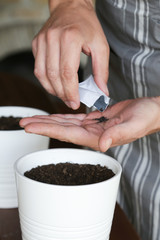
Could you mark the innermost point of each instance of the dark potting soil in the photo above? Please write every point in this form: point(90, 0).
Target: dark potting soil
point(10, 123)
point(70, 174)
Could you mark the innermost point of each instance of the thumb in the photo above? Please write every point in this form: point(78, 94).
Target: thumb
point(114, 136)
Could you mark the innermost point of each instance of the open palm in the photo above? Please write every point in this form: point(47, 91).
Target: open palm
point(128, 121)
point(81, 129)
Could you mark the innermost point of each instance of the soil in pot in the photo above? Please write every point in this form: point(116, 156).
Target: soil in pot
point(10, 123)
point(70, 174)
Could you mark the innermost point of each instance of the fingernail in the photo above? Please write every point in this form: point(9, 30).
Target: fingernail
point(108, 143)
point(73, 105)
point(68, 104)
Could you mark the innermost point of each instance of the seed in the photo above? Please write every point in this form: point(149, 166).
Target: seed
point(101, 119)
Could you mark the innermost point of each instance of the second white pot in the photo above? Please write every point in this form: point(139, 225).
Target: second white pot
point(13, 145)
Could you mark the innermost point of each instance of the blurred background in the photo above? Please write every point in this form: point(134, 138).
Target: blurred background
point(20, 21)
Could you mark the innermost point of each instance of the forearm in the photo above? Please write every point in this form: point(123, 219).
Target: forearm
point(54, 3)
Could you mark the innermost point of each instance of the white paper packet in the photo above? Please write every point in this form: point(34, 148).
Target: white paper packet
point(91, 95)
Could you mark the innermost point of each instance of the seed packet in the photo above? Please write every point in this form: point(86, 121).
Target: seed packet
point(92, 96)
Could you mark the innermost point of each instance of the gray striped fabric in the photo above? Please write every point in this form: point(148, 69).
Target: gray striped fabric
point(132, 28)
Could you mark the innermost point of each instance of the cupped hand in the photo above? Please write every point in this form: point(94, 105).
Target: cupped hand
point(127, 121)
point(72, 28)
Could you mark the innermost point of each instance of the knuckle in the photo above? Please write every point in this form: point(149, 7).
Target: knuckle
point(49, 34)
point(40, 38)
point(52, 74)
point(67, 73)
point(38, 73)
point(69, 34)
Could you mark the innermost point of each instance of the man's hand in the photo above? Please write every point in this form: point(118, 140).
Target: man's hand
point(72, 28)
point(128, 121)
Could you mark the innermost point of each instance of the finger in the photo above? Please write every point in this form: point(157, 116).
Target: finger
point(40, 64)
point(51, 119)
point(64, 117)
point(117, 135)
point(100, 65)
point(67, 120)
point(79, 116)
point(69, 64)
point(52, 63)
point(57, 131)
point(63, 120)
point(49, 123)
point(74, 134)
point(24, 121)
point(30, 120)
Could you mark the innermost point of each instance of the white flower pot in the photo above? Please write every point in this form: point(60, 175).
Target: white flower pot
point(13, 145)
point(56, 212)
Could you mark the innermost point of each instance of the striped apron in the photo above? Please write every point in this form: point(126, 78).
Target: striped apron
point(132, 28)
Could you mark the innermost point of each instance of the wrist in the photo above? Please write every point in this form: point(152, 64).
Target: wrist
point(55, 3)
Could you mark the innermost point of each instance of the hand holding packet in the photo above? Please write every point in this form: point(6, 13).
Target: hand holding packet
point(91, 95)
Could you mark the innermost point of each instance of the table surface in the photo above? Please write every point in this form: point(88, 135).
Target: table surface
point(16, 91)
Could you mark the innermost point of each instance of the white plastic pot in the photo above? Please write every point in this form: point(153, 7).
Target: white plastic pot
point(56, 212)
point(13, 145)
